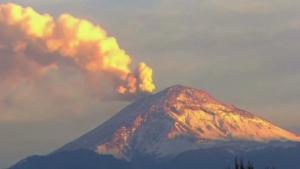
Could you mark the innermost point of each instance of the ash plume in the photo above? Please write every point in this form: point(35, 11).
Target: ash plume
point(32, 43)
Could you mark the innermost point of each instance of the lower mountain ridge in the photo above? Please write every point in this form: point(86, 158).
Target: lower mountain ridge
point(179, 127)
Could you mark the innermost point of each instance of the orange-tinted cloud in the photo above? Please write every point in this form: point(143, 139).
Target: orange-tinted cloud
point(34, 41)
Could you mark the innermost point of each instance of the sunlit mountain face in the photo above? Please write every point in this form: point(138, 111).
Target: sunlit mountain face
point(175, 128)
point(180, 117)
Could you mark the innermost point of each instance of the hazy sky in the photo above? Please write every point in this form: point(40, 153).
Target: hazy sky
point(244, 52)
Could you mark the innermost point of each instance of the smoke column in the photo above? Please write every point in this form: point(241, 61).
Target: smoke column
point(70, 40)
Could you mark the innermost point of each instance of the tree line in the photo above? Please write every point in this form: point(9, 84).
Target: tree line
point(239, 164)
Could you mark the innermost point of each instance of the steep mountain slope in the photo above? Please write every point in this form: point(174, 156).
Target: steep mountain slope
point(176, 120)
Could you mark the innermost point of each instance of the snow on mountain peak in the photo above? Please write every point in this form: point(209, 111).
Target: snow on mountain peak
point(174, 120)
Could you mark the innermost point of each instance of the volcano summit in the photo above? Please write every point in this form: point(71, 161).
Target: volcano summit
point(188, 125)
point(180, 117)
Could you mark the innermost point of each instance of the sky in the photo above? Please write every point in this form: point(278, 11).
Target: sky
point(243, 52)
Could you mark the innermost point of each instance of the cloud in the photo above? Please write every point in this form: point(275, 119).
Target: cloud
point(39, 40)
point(37, 50)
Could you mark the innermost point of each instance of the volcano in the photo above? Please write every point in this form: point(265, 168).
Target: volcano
point(175, 120)
point(179, 128)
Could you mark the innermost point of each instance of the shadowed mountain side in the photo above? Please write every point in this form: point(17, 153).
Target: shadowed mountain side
point(214, 158)
point(79, 159)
